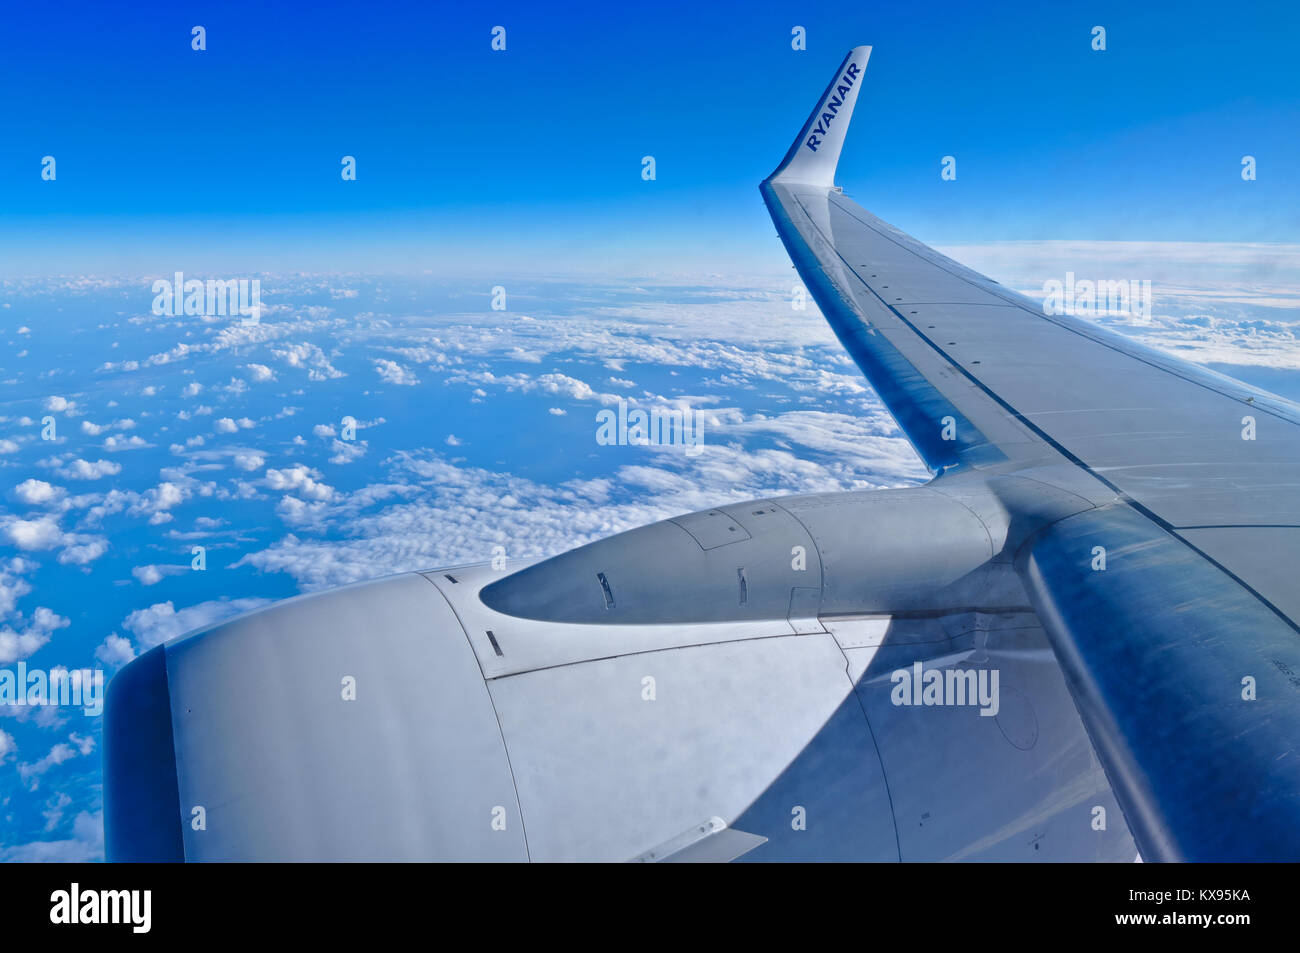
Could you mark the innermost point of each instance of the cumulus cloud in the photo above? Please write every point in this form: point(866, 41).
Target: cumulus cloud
point(83, 550)
point(85, 845)
point(19, 643)
point(346, 451)
point(260, 372)
point(158, 501)
point(115, 443)
point(393, 373)
point(225, 425)
point(448, 514)
point(54, 809)
point(308, 357)
point(7, 745)
point(37, 492)
point(553, 383)
point(300, 480)
point(115, 650)
point(94, 429)
point(12, 585)
point(148, 575)
point(76, 745)
point(86, 470)
point(35, 534)
point(163, 621)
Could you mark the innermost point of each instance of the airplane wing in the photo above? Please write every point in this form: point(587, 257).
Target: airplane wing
point(1078, 639)
point(1171, 603)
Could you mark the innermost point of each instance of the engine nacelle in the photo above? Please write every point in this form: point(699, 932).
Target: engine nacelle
point(722, 685)
point(880, 551)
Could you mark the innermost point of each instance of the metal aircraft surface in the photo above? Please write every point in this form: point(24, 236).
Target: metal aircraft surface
point(1079, 641)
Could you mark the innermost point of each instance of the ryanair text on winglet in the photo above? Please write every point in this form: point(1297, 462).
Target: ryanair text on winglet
point(832, 107)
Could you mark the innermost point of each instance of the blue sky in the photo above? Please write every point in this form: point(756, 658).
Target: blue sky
point(530, 159)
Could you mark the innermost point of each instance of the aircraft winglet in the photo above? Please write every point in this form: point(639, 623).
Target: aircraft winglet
point(815, 154)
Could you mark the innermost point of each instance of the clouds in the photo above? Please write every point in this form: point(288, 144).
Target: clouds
point(309, 357)
point(75, 746)
point(1248, 266)
point(426, 511)
point(554, 383)
point(390, 372)
point(83, 550)
point(54, 810)
point(32, 535)
point(86, 844)
point(449, 513)
point(79, 469)
point(114, 444)
point(300, 480)
point(347, 451)
point(259, 373)
point(45, 532)
point(152, 575)
point(155, 504)
point(115, 650)
point(19, 643)
point(1218, 335)
point(37, 492)
point(163, 621)
point(249, 460)
point(12, 586)
point(94, 429)
point(400, 516)
point(229, 425)
point(1213, 301)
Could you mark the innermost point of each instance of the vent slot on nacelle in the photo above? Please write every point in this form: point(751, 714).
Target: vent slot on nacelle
point(605, 590)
